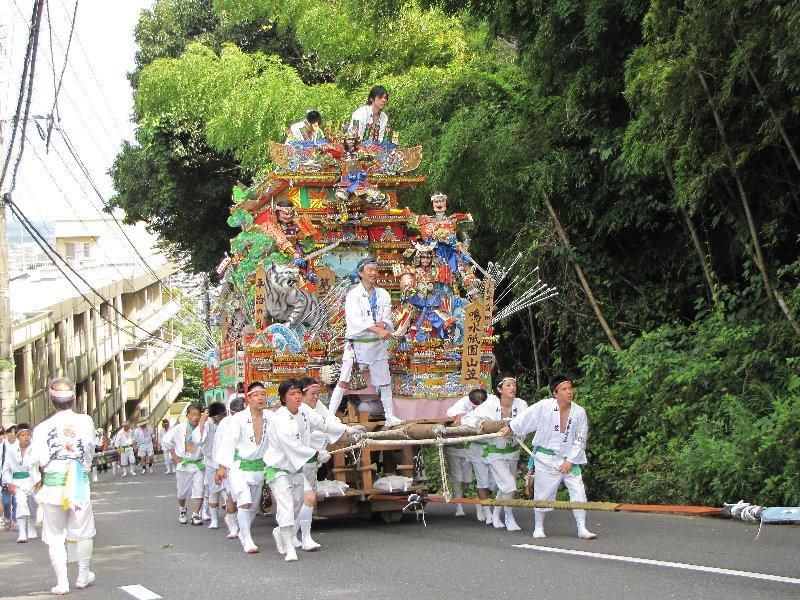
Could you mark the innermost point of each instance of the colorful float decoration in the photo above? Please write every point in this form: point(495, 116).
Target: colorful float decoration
point(328, 203)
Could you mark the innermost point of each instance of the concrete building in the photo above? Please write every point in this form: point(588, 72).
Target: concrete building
point(119, 347)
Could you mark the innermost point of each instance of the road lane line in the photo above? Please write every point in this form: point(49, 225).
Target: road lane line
point(140, 592)
point(662, 563)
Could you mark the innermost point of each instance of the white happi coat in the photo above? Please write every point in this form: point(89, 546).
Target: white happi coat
point(14, 463)
point(461, 406)
point(206, 439)
point(239, 438)
point(290, 437)
point(57, 442)
point(124, 439)
point(544, 418)
point(176, 439)
point(143, 439)
point(359, 317)
point(490, 411)
point(317, 439)
point(363, 114)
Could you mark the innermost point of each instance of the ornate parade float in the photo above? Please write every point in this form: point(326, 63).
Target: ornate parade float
point(329, 202)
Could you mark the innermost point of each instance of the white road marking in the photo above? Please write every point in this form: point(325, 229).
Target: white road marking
point(140, 592)
point(662, 563)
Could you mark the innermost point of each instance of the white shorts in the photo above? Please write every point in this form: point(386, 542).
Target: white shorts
point(60, 526)
point(126, 457)
point(144, 451)
point(189, 484)
point(213, 488)
point(548, 479)
point(287, 494)
point(378, 371)
point(310, 473)
point(460, 467)
point(245, 486)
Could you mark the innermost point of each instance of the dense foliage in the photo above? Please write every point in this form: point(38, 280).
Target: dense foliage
point(642, 153)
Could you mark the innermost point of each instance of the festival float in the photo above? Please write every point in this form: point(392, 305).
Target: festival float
point(331, 201)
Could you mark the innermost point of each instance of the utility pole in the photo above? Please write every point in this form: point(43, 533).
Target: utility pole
point(7, 400)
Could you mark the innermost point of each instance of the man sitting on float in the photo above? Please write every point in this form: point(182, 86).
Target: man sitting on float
point(441, 230)
point(370, 120)
point(307, 130)
point(426, 296)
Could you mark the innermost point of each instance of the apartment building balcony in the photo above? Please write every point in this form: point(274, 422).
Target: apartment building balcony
point(158, 410)
point(149, 323)
point(139, 375)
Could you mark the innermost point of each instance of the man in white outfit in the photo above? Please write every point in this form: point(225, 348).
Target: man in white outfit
point(368, 316)
point(289, 451)
point(124, 443)
point(456, 455)
point(204, 435)
point(240, 457)
point(20, 481)
point(235, 405)
point(370, 118)
point(169, 466)
point(559, 450)
point(189, 467)
point(63, 447)
point(143, 439)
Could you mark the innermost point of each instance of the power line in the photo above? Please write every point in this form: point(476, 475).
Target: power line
point(52, 253)
point(25, 94)
point(54, 109)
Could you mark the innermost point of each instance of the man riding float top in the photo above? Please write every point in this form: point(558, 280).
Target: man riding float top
point(20, 481)
point(63, 447)
point(559, 449)
point(372, 121)
point(501, 456)
point(189, 467)
point(241, 459)
point(124, 442)
point(289, 451)
point(368, 315)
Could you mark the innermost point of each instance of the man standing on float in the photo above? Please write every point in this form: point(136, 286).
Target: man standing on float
point(368, 315)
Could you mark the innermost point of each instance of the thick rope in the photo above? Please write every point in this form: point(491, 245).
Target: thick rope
point(443, 470)
point(426, 442)
point(522, 503)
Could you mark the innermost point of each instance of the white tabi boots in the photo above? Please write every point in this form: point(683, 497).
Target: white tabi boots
point(304, 516)
point(22, 525)
point(580, 521)
point(32, 533)
point(58, 558)
point(388, 407)
point(538, 527)
point(286, 536)
point(233, 526)
point(244, 520)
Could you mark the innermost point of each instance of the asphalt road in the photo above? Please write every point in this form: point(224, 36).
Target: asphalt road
point(139, 541)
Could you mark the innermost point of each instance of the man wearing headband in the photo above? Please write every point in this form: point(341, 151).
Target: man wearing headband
point(20, 481)
point(204, 435)
point(168, 464)
point(124, 442)
point(189, 467)
point(368, 315)
point(288, 453)
point(143, 439)
point(241, 459)
point(63, 447)
point(499, 457)
point(456, 454)
point(559, 450)
point(236, 404)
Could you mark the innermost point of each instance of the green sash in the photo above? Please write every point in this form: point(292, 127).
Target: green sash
point(59, 479)
point(492, 449)
point(197, 463)
point(20, 475)
point(576, 469)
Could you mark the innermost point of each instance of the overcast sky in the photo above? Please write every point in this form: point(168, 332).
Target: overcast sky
point(94, 102)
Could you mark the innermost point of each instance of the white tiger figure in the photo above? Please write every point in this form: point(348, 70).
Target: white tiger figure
point(286, 303)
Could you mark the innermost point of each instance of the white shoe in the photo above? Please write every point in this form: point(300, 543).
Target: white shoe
point(182, 518)
point(538, 534)
point(60, 590)
point(233, 526)
point(196, 520)
point(150, 470)
point(32, 533)
point(144, 471)
point(23, 536)
point(308, 544)
point(85, 581)
point(511, 522)
point(391, 421)
point(479, 513)
point(287, 534)
point(279, 543)
point(460, 511)
point(496, 520)
point(124, 474)
point(297, 542)
point(248, 545)
point(585, 534)
point(214, 521)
